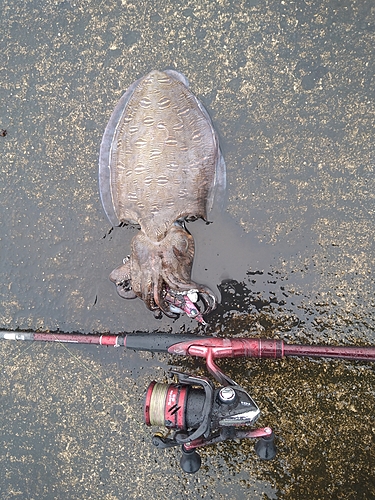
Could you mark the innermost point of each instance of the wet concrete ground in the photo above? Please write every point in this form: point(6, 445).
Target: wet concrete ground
point(290, 88)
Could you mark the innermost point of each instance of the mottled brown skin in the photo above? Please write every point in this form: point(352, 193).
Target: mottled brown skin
point(155, 267)
point(158, 167)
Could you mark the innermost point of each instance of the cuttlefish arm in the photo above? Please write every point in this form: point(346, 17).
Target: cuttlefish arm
point(159, 272)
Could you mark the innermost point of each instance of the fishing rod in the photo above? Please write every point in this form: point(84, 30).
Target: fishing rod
point(194, 411)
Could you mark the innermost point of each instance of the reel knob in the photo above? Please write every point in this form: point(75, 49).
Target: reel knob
point(190, 461)
point(227, 395)
point(265, 447)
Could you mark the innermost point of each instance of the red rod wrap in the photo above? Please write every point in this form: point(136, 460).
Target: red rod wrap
point(66, 337)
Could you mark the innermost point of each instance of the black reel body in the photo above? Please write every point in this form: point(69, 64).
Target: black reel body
point(197, 414)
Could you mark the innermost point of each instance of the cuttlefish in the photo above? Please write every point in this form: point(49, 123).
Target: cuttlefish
point(160, 166)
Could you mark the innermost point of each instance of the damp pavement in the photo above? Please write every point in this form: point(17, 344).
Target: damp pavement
point(290, 88)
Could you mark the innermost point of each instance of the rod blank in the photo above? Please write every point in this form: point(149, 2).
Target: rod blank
point(195, 345)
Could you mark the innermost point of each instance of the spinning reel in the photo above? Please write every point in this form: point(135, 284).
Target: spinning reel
point(194, 412)
point(197, 414)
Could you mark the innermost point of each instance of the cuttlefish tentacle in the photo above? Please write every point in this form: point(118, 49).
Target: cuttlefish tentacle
point(156, 269)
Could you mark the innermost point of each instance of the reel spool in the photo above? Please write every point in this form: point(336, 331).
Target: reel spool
point(198, 414)
point(174, 406)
